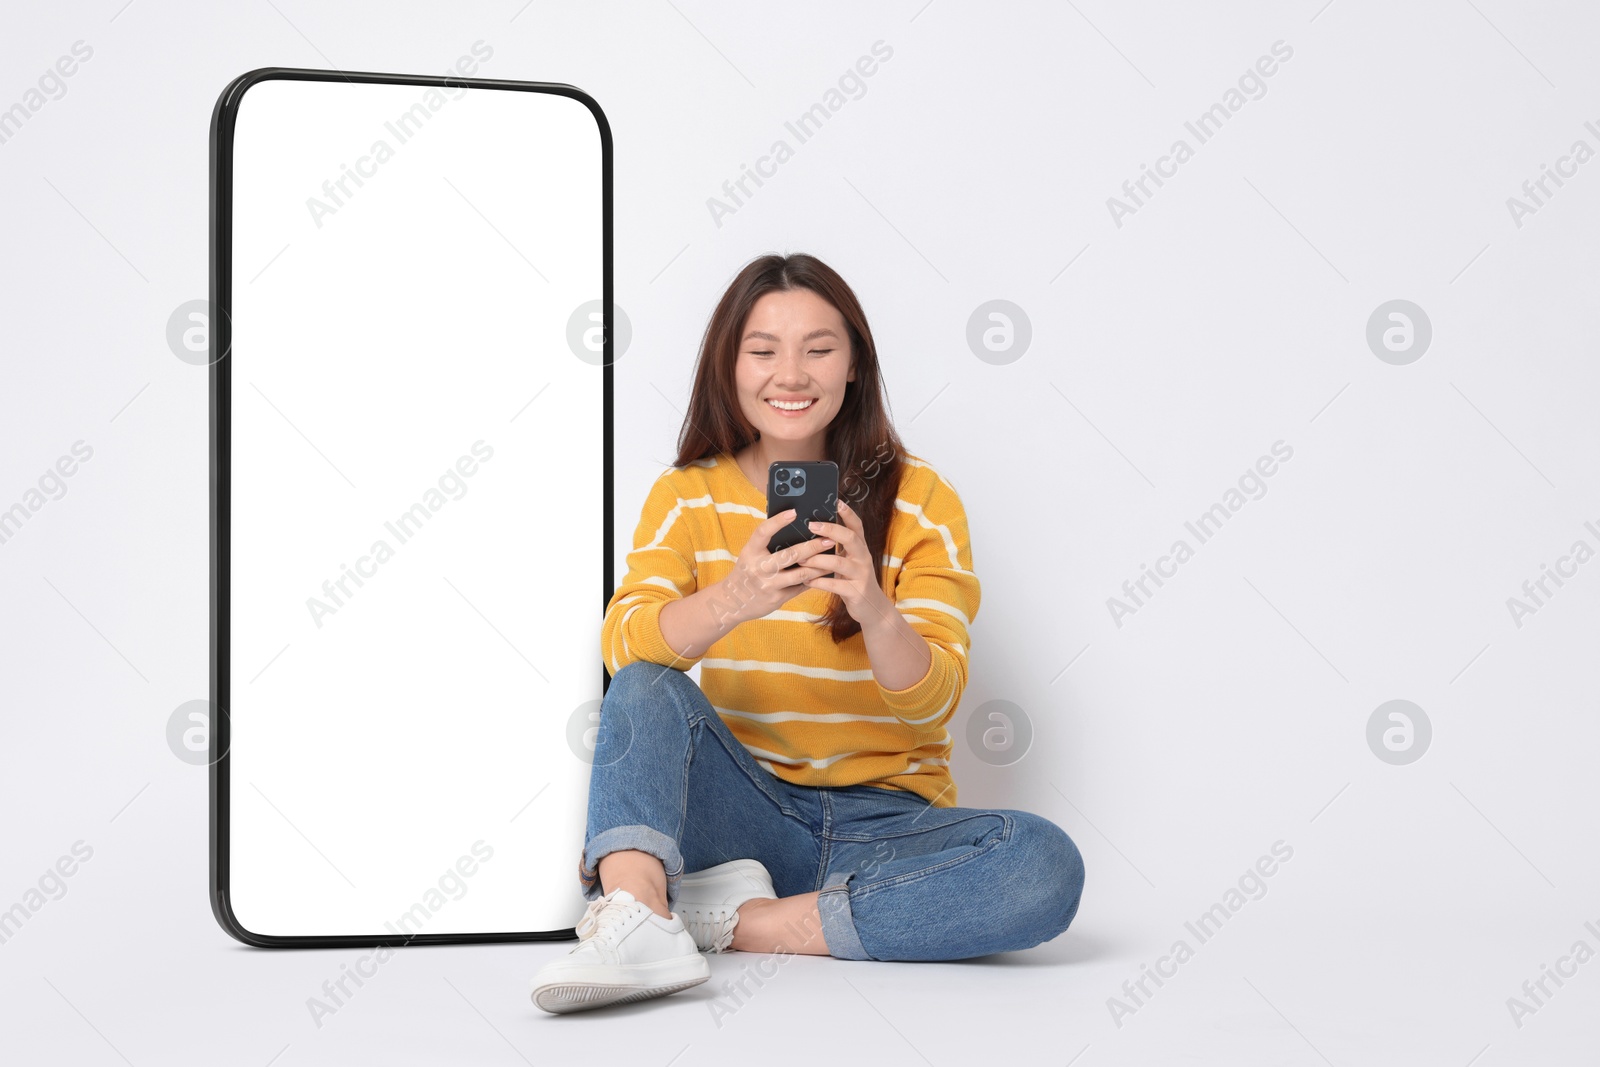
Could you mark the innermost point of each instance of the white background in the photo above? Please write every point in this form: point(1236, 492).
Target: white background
point(1167, 355)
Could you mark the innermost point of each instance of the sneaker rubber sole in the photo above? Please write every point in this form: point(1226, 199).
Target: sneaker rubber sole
point(596, 987)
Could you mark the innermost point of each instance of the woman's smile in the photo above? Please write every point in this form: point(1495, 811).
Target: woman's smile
point(791, 408)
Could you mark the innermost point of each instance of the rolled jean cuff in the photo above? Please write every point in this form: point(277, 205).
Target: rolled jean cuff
point(838, 926)
point(645, 839)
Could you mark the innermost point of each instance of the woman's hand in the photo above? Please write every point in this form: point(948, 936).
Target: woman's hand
point(855, 577)
point(759, 582)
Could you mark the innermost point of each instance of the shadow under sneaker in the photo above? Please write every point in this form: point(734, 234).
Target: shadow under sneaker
point(625, 952)
point(709, 900)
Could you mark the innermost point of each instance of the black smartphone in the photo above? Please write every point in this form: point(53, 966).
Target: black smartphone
point(811, 487)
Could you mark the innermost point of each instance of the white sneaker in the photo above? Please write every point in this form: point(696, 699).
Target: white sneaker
point(709, 900)
point(625, 952)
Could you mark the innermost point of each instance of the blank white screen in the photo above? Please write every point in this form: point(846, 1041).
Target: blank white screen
point(373, 746)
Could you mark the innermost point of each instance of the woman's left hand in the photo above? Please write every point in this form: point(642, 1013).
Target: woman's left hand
point(855, 579)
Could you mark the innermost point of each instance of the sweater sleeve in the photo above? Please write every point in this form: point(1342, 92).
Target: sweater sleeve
point(661, 569)
point(938, 594)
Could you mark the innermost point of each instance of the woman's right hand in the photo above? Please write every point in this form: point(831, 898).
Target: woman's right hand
point(762, 581)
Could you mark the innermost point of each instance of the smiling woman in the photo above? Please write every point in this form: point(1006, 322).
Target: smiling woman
point(790, 391)
point(802, 800)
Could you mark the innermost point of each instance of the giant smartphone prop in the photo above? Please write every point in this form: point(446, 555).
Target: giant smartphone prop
point(411, 503)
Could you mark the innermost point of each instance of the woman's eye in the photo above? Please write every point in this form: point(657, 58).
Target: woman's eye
point(820, 351)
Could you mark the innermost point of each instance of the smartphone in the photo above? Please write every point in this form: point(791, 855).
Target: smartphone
point(811, 487)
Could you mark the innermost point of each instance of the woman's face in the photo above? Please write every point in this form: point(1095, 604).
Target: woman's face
point(796, 350)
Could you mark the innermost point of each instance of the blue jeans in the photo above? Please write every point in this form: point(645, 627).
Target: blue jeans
point(897, 878)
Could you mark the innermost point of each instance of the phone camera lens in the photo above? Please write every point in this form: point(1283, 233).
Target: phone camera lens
point(783, 474)
point(799, 481)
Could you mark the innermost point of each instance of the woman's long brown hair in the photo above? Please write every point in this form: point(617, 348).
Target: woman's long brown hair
point(860, 439)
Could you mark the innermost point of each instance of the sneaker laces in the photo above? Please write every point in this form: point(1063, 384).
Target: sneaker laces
point(602, 917)
point(712, 926)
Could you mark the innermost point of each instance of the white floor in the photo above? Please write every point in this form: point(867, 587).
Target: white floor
point(1393, 948)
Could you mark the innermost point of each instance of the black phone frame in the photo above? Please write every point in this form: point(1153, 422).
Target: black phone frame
point(224, 117)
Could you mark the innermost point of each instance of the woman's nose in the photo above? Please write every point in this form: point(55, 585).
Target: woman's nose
point(790, 370)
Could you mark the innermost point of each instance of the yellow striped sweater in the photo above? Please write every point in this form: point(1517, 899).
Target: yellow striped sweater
point(810, 711)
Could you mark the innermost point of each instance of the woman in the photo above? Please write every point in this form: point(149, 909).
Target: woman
point(807, 785)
